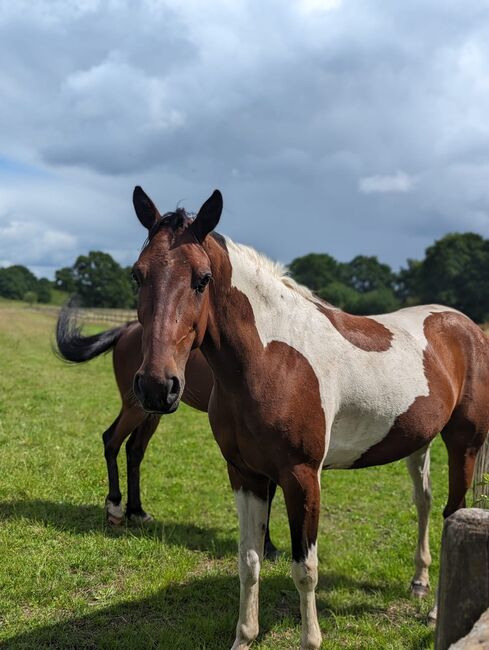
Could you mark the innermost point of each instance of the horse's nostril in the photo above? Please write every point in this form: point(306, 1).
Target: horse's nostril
point(173, 389)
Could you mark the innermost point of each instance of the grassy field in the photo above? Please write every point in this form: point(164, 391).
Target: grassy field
point(69, 581)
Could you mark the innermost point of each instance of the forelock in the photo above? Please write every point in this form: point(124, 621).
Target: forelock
point(176, 222)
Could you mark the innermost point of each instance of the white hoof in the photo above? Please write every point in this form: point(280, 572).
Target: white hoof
point(114, 513)
point(237, 645)
point(432, 616)
point(418, 589)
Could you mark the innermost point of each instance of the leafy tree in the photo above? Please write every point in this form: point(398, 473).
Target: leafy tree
point(16, 281)
point(30, 297)
point(340, 295)
point(64, 279)
point(455, 272)
point(101, 281)
point(365, 273)
point(377, 301)
point(408, 283)
point(43, 290)
point(133, 285)
point(315, 270)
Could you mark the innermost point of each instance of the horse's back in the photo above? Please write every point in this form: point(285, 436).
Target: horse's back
point(399, 399)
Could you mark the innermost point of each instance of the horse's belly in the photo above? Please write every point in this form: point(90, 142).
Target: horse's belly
point(352, 434)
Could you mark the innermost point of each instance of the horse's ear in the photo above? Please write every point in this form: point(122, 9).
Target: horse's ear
point(146, 210)
point(208, 216)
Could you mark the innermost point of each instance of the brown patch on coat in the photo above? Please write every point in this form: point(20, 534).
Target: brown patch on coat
point(199, 381)
point(362, 332)
point(456, 365)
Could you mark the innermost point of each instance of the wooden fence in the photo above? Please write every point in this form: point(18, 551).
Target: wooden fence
point(94, 314)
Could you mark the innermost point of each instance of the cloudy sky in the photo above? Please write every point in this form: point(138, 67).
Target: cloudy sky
point(345, 126)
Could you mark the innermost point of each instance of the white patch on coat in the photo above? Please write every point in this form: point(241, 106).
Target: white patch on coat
point(362, 393)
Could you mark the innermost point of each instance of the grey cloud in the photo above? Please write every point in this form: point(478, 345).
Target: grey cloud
point(285, 110)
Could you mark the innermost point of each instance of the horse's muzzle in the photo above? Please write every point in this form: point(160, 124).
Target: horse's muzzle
point(160, 396)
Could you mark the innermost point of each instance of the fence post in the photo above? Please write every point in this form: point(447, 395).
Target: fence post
point(477, 638)
point(463, 589)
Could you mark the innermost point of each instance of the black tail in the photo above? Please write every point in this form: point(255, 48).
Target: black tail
point(73, 346)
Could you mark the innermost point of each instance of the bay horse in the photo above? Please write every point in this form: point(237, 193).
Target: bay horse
point(299, 386)
point(133, 421)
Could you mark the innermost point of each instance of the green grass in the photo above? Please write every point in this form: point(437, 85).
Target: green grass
point(59, 297)
point(69, 581)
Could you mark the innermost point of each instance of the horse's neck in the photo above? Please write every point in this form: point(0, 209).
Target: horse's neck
point(250, 306)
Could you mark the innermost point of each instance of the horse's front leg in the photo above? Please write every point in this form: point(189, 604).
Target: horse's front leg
point(251, 493)
point(113, 438)
point(135, 450)
point(419, 468)
point(302, 498)
point(270, 551)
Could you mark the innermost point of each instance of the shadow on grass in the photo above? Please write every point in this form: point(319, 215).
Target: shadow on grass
point(82, 519)
point(199, 614)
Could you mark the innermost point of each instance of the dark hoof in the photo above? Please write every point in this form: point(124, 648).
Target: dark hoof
point(418, 589)
point(114, 513)
point(140, 518)
point(270, 552)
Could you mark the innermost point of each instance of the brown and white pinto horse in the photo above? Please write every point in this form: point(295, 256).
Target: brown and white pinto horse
point(133, 421)
point(299, 385)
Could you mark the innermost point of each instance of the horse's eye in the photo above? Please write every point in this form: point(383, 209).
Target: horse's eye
point(135, 279)
point(203, 282)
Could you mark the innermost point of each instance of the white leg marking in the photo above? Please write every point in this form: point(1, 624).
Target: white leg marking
point(252, 513)
point(419, 468)
point(305, 576)
point(115, 513)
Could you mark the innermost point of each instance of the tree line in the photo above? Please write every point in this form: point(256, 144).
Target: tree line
point(97, 279)
point(454, 272)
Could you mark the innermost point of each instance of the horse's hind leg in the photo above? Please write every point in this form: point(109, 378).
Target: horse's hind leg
point(463, 437)
point(463, 440)
point(418, 465)
point(113, 438)
point(135, 450)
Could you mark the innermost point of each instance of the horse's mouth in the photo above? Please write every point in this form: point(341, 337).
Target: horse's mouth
point(163, 411)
